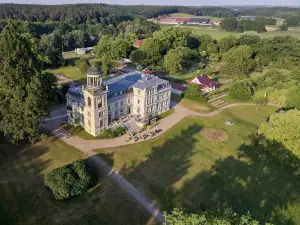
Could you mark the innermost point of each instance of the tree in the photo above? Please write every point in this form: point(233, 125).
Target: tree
point(284, 27)
point(283, 128)
point(174, 59)
point(70, 180)
point(238, 61)
point(137, 56)
point(293, 98)
point(229, 24)
point(227, 43)
point(82, 65)
point(178, 217)
point(242, 90)
point(109, 50)
point(193, 91)
point(26, 94)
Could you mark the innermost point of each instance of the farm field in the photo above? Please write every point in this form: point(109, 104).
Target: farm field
point(183, 168)
point(25, 200)
point(218, 34)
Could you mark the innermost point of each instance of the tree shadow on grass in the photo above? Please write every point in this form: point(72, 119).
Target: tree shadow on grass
point(166, 165)
point(253, 182)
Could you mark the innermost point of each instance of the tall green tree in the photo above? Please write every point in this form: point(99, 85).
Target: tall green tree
point(229, 24)
point(293, 98)
point(174, 59)
point(238, 61)
point(283, 127)
point(26, 94)
point(109, 50)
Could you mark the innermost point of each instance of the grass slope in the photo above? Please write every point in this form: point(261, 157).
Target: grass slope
point(183, 169)
point(70, 72)
point(25, 200)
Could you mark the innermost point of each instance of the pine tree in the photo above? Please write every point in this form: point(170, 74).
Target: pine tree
point(26, 94)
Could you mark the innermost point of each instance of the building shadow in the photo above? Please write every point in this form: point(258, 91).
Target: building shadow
point(166, 165)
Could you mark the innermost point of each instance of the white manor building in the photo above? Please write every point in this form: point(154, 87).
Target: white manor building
point(95, 105)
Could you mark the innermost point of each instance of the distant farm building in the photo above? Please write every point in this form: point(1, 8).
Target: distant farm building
point(83, 51)
point(205, 83)
point(182, 20)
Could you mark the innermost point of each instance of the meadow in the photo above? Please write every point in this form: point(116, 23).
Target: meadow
point(217, 34)
point(183, 168)
point(25, 200)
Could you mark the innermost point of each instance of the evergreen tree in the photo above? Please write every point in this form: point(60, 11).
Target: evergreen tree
point(26, 94)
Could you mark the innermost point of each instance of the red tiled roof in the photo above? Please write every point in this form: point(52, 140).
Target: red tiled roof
point(138, 43)
point(205, 81)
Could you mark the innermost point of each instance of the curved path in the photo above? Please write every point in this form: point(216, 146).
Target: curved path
point(86, 146)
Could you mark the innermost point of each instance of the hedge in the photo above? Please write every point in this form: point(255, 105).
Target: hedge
point(68, 181)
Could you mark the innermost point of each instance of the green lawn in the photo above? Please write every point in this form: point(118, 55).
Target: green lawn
point(70, 72)
point(79, 131)
point(193, 104)
point(25, 200)
point(218, 34)
point(183, 169)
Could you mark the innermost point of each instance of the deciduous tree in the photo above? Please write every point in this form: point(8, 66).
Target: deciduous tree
point(26, 94)
point(238, 61)
point(283, 127)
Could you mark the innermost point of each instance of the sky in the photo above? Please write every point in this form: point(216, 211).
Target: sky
point(163, 2)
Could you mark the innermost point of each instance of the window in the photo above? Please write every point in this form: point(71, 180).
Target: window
point(101, 123)
point(168, 94)
point(89, 101)
point(148, 101)
point(139, 91)
point(99, 102)
point(121, 103)
point(89, 123)
point(152, 99)
point(101, 114)
point(121, 111)
point(108, 107)
point(89, 114)
point(138, 110)
point(128, 100)
point(116, 114)
point(116, 104)
point(138, 101)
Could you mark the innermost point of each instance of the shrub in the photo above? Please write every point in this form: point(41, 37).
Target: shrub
point(242, 90)
point(68, 181)
point(82, 65)
point(113, 133)
point(193, 92)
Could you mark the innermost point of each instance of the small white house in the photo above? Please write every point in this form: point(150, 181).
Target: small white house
point(83, 51)
point(205, 83)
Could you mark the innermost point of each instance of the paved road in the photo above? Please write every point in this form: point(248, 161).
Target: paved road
point(86, 146)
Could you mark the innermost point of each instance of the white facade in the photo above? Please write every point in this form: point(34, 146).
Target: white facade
point(95, 107)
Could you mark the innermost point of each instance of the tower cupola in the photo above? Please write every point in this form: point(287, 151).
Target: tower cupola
point(94, 78)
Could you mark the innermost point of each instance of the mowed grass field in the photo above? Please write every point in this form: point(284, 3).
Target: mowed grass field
point(181, 168)
point(25, 200)
point(70, 72)
point(218, 34)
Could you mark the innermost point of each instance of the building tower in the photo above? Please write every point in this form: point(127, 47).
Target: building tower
point(95, 102)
